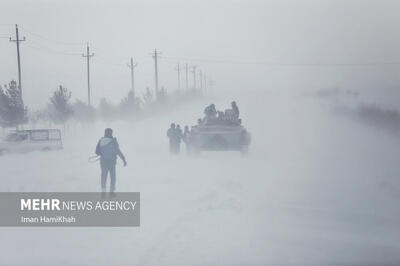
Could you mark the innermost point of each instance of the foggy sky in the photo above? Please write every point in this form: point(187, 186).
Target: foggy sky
point(245, 32)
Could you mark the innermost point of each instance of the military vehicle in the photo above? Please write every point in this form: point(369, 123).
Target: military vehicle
point(218, 134)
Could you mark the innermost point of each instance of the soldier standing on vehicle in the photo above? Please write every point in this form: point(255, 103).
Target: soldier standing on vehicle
point(210, 111)
point(235, 109)
point(108, 150)
point(171, 134)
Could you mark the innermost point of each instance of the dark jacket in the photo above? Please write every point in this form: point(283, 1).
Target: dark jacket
point(178, 134)
point(171, 134)
point(108, 149)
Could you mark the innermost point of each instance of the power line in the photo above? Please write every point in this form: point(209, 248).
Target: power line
point(109, 62)
point(143, 57)
point(383, 63)
point(51, 40)
point(103, 60)
point(48, 50)
point(54, 51)
point(169, 62)
point(100, 59)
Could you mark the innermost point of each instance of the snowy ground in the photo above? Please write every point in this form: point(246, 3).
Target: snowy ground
point(317, 188)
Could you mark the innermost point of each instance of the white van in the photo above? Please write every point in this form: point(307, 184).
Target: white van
point(31, 140)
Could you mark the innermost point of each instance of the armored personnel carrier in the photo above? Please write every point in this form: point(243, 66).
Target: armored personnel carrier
point(218, 134)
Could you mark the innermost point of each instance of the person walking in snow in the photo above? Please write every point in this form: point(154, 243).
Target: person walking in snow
point(108, 150)
point(178, 136)
point(171, 134)
point(185, 137)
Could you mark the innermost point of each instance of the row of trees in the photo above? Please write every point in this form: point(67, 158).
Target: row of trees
point(60, 109)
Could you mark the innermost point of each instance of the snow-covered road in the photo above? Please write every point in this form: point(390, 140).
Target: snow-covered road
point(316, 189)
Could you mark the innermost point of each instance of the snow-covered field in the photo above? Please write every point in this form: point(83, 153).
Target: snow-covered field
point(317, 188)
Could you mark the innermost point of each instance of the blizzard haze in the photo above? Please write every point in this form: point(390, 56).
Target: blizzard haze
point(240, 32)
point(318, 87)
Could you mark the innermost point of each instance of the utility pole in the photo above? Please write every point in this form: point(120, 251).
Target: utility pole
point(88, 56)
point(194, 76)
point(205, 83)
point(132, 66)
point(211, 82)
point(201, 80)
point(155, 57)
point(178, 69)
point(17, 41)
point(187, 80)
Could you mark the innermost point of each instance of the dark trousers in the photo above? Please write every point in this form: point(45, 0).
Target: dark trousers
point(105, 169)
